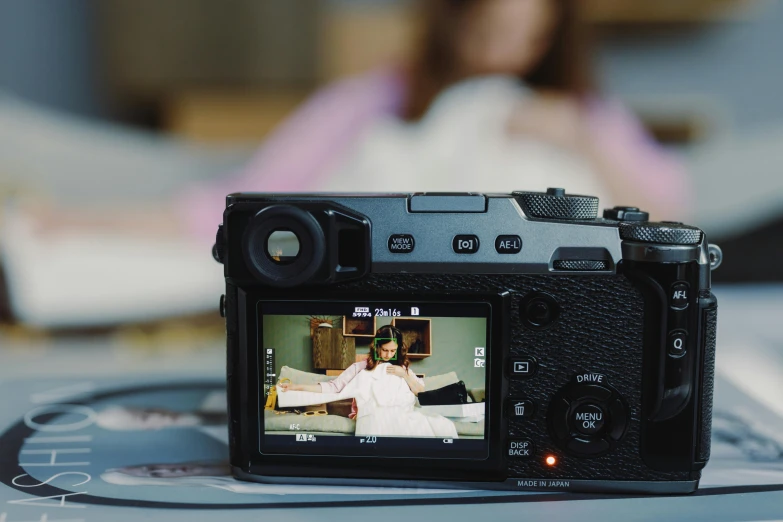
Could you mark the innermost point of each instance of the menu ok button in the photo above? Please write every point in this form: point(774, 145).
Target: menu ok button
point(588, 419)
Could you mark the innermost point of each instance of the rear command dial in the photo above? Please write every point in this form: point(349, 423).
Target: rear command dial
point(587, 417)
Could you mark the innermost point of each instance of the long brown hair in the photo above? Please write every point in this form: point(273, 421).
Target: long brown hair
point(385, 333)
point(564, 67)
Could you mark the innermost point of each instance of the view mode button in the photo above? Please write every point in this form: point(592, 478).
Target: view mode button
point(401, 243)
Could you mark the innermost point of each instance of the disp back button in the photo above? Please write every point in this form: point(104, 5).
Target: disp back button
point(520, 449)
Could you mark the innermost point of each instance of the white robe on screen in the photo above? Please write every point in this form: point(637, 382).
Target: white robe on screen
point(386, 408)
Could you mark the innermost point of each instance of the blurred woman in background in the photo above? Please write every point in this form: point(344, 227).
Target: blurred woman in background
point(498, 97)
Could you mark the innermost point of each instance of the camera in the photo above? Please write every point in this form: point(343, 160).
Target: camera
point(500, 341)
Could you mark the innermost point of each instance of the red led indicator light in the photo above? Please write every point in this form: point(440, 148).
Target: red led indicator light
point(551, 461)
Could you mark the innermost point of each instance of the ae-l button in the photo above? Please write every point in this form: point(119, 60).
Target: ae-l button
point(508, 244)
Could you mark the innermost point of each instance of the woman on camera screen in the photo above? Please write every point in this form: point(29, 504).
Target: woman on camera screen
point(384, 390)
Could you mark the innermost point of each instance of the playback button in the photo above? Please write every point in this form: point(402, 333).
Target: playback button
point(521, 367)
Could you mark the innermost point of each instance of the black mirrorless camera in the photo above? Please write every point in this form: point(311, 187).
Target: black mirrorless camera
point(513, 341)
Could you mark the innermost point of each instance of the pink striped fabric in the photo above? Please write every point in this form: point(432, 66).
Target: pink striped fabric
point(303, 149)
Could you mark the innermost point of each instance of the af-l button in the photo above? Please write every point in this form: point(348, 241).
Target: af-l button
point(508, 244)
point(679, 296)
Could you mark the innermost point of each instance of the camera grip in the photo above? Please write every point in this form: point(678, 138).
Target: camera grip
point(709, 313)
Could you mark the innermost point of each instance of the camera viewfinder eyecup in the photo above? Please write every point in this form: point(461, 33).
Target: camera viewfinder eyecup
point(312, 246)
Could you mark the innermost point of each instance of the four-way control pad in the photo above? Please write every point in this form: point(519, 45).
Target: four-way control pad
point(587, 417)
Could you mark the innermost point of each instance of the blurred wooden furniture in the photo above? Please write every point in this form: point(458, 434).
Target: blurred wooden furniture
point(234, 74)
point(196, 67)
point(331, 350)
point(359, 327)
point(416, 334)
point(229, 115)
point(387, 34)
point(623, 12)
point(154, 48)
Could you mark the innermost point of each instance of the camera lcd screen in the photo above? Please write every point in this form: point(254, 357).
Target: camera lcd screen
point(397, 379)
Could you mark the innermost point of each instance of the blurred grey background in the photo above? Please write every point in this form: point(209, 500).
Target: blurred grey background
point(185, 90)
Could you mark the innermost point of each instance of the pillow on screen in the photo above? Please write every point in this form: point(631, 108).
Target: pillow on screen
point(439, 381)
point(477, 394)
point(300, 377)
point(316, 423)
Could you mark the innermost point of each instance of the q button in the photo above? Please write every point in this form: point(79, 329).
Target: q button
point(677, 342)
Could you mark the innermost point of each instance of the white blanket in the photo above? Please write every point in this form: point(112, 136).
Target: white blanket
point(385, 406)
point(293, 399)
point(462, 144)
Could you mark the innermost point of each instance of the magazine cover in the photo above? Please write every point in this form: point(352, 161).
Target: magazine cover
point(108, 450)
